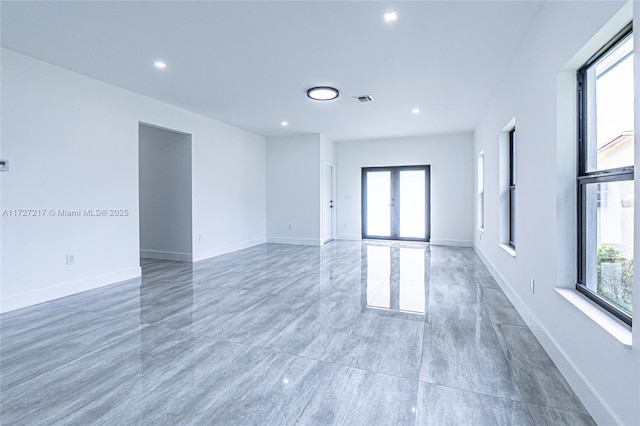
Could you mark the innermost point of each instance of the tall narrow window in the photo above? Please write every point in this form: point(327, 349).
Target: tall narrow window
point(481, 191)
point(606, 176)
point(512, 189)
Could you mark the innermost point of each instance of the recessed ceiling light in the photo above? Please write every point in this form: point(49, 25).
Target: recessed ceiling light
point(284, 123)
point(390, 16)
point(160, 64)
point(415, 111)
point(323, 93)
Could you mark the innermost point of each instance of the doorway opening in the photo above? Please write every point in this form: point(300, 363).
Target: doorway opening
point(164, 167)
point(396, 203)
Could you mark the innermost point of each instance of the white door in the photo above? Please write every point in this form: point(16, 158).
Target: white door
point(327, 202)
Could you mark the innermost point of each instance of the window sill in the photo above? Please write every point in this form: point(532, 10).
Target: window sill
point(508, 249)
point(619, 331)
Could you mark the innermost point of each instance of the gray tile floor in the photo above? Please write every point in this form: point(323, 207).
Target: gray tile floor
point(352, 333)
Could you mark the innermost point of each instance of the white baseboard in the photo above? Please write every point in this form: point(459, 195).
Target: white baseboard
point(296, 241)
point(209, 253)
point(12, 303)
point(590, 398)
point(166, 255)
point(529, 318)
point(457, 243)
point(348, 237)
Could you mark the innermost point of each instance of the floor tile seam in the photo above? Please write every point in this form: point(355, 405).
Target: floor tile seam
point(510, 365)
point(317, 389)
point(64, 305)
point(564, 410)
point(517, 399)
point(219, 325)
point(421, 352)
point(65, 414)
point(489, 315)
point(338, 364)
point(313, 394)
point(73, 360)
point(508, 400)
point(533, 422)
point(195, 333)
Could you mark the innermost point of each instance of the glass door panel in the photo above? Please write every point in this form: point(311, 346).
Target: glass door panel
point(378, 205)
point(412, 219)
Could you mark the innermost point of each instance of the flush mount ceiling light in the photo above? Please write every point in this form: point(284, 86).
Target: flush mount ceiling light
point(322, 93)
point(159, 64)
point(284, 123)
point(390, 16)
point(415, 111)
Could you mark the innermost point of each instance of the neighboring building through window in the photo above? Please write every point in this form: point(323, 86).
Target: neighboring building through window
point(603, 196)
point(606, 176)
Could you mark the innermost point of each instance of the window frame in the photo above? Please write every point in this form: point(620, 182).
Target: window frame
point(481, 183)
point(585, 177)
point(512, 189)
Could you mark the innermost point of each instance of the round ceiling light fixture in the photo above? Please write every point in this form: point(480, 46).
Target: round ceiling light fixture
point(322, 93)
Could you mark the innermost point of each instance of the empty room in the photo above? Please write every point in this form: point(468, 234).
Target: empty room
point(319, 213)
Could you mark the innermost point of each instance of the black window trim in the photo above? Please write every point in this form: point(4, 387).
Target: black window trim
point(512, 189)
point(585, 177)
point(395, 170)
point(481, 210)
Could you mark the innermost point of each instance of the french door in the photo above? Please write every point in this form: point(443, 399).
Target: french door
point(395, 203)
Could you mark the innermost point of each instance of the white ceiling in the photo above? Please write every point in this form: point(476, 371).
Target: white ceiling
point(249, 63)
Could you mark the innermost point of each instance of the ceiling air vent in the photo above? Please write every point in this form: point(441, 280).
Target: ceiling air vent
point(363, 98)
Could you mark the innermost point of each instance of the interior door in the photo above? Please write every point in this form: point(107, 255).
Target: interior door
point(395, 203)
point(327, 202)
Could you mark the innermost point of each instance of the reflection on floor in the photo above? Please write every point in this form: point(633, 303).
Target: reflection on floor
point(349, 333)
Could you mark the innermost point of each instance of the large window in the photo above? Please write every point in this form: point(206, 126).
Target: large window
point(606, 176)
point(481, 191)
point(512, 189)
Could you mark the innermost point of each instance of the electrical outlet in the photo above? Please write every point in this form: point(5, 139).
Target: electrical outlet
point(200, 237)
point(71, 259)
point(532, 286)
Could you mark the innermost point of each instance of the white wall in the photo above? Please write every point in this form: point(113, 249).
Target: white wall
point(327, 149)
point(452, 190)
point(293, 189)
point(538, 91)
point(165, 194)
point(73, 144)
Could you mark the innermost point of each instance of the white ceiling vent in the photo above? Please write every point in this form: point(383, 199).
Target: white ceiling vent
point(363, 98)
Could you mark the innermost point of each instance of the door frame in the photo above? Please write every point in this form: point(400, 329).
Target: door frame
point(333, 202)
point(395, 212)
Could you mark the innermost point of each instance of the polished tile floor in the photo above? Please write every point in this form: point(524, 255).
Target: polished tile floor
point(351, 333)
